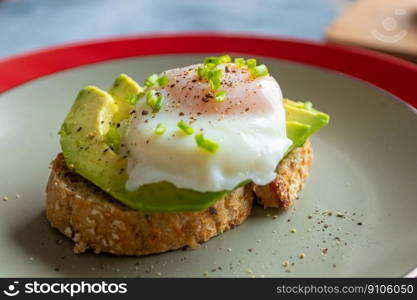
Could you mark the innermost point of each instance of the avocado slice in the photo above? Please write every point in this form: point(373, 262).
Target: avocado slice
point(123, 91)
point(83, 142)
point(304, 113)
point(298, 133)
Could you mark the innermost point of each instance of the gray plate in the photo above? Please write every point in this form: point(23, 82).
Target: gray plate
point(364, 168)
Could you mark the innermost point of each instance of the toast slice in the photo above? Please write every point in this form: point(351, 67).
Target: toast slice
point(94, 220)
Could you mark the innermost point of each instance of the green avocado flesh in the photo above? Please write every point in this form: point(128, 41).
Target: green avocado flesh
point(298, 133)
point(90, 138)
point(304, 113)
point(124, 89)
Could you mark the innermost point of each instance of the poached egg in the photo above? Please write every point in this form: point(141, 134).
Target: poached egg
point(248, 126)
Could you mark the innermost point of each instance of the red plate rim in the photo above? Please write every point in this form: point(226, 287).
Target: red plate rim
point(386, 72)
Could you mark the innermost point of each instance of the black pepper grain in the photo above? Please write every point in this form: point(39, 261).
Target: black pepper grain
point(212, 210)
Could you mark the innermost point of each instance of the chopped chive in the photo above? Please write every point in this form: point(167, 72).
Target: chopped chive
point(63, 130)
point(216, 74)
point(214, 83)
point(308, 105)
point(240, 62)
point(220, 96)
point(224, 59)
point(151, 97)
point(157, 107)
point(251, 62)
point(130, 99)
point(163, 80)
point(151, 80)
point(154, 100)
point(112, 138)
point(215, 79)
point(160, 129)
point(136, 98)
point(260, 70)
point(201, 72)
point(187, 129)
point(210, 66)
point(208, 70)
point(213, 75)
point(206, 144)
point(211, 60)
point(217, 60)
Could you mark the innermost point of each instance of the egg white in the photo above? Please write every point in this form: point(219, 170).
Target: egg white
point(249, 127)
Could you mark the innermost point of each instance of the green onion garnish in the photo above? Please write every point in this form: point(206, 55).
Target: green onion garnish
point(210, 73)
point(157, 107)
point(258, 71)
point(130, 99)
point(214, 78)
point(136, 98)
point(251, 62)
point(151, 97)
point(201, 72)
point(160, 129)
point(214, 84)
point(151, 80)
point(208, 70)
point(163, 81)
point(240, 62)
point(154, 100)
point(213, 75)
point(155, 79)
point(217, 60)
point(206, 144)
point(187, 129)
point(220, 96)
point(210, 66)
point(113, 139)
point(211, 60)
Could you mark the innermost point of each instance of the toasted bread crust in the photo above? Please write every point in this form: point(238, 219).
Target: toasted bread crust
point(292, 172)
point(94, 220)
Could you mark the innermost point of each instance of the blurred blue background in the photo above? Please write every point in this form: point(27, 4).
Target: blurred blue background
point(29, 24)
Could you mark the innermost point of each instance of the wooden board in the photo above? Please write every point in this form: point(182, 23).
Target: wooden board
point(384, 25)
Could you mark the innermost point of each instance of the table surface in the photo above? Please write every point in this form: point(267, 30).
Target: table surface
point(31, 24)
